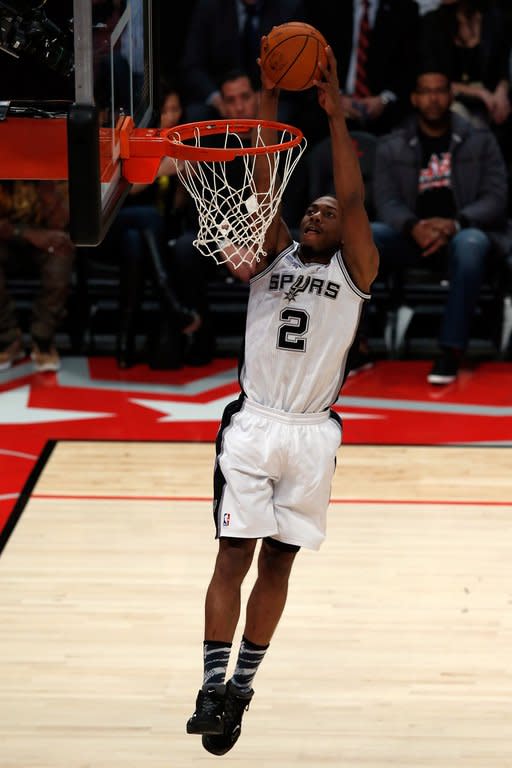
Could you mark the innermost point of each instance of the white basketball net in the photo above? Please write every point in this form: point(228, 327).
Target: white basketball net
point(233, 219)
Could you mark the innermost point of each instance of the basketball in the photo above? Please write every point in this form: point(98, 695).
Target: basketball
point(290, 55)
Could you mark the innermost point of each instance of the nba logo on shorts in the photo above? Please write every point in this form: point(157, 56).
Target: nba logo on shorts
point(226, 519)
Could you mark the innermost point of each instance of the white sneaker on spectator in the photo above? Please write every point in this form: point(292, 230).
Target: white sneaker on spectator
point(45, 357)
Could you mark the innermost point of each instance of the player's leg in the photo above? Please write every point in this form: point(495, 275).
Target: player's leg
point(222, 606)
point(222, 611)
point(264, 609)
point(243, 513)
point(268, 596)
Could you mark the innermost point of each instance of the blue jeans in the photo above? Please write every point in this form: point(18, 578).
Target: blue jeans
point(465, 260)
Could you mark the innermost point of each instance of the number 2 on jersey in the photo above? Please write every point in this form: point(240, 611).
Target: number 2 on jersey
point(292, 331)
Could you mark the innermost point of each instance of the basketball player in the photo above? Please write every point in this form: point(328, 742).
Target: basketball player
point(277, 443)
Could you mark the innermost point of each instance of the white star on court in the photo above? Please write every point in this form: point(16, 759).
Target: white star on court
point(15, 409)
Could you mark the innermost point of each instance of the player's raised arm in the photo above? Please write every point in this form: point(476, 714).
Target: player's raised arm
point(359, 251)
point(278, 235)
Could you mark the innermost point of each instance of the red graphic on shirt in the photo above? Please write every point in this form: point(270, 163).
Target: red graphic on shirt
point(437, 174)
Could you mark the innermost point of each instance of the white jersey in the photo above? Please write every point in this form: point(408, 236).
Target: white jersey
point(301, 322)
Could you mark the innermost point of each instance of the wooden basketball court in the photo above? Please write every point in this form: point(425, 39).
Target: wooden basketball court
point(394, 648)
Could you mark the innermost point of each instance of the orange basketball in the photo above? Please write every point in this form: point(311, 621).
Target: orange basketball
point(290, 55)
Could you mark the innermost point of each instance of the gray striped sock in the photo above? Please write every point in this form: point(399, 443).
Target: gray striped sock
point(215, 660)
point(249, 659)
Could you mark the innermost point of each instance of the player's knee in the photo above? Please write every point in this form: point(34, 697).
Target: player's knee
point(276, 560)
point(234, 558)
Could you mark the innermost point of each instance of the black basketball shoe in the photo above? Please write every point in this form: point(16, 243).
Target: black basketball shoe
point(207, 719)
point(235, 704)
point(445, 368)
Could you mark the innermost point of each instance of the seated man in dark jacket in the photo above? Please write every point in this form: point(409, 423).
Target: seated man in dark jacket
point(440, 190)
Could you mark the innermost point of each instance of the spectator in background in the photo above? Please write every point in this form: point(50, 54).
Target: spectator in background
point(225, 35)
point(377, 61)
point(440, 190)
point(472, 37)
point(34, 221)
point(376, 56)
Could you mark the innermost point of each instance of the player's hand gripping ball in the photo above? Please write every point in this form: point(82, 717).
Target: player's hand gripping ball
point(290, 55)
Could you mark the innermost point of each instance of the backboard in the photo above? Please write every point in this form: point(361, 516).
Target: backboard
point(113, 61)
point(114, 65)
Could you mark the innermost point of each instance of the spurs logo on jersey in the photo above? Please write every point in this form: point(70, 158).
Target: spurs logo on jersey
point(294, 356)
point(300, 285)
point(280, 280)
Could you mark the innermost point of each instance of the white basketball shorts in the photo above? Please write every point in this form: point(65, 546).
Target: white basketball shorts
point(273, 473)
